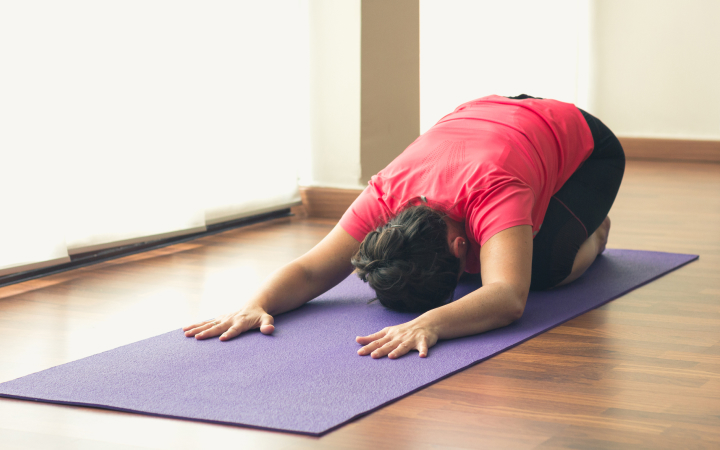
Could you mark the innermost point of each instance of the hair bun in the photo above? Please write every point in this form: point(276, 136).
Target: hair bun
point(408, 262)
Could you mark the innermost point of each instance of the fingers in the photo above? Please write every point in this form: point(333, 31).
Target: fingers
point(395, 347)
point(231, 325)
point(242, 325)
point(194, 329)
point(232, 332)
point(266, 324)
point(195, 325)
point(423, 348)
point(392, 349)
point(400, 350)
point(199, 324)
point(371, 347)
point(212, 329)
point(365, 340)
point(397, 351)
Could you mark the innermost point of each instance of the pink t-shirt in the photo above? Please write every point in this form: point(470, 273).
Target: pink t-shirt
point(493, 163)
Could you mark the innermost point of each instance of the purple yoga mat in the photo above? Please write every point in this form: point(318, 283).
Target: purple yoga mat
point(307, 378)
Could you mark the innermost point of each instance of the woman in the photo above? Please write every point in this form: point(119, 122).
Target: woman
point(517, 189)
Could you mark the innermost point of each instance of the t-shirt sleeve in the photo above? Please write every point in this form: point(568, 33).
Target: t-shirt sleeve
point(364, 215)
point(500, 208)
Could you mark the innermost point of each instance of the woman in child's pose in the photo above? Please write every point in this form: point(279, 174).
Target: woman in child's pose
point(517, 189)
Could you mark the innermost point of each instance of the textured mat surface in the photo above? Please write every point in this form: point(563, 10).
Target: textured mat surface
point(307, 377)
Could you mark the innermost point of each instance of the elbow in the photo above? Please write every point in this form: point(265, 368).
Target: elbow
point(517, 307)
point(516, 312)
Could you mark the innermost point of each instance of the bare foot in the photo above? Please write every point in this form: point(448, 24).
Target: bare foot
point(602, 234)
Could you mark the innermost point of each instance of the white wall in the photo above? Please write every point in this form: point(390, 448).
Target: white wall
point(658, 67)
point(647, 68)
point(473, 48)
point(334, 95)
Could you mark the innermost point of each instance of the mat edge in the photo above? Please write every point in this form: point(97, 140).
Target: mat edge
point(167, 416)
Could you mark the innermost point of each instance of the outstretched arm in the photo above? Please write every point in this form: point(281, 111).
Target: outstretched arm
point(506, 263)
point(296, 283)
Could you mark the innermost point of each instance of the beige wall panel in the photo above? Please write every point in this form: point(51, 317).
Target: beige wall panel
point(390, 81)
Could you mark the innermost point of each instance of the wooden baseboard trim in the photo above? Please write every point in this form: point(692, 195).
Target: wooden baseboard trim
point(671, 149)
point(331, 203)
point(327, 203)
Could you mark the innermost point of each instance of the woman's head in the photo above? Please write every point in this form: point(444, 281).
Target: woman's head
point(408, 261)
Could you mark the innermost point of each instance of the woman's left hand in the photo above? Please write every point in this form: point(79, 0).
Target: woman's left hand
point(397, 340)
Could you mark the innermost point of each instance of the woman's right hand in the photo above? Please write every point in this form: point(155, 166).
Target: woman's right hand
point(296, 283)
point(230, 325)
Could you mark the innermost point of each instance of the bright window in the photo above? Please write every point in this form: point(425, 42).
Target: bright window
point(127, 121)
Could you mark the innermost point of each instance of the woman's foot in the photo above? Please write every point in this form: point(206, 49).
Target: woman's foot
point(593, 246)
point(601, 235)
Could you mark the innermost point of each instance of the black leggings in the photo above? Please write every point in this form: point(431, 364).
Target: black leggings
point(578, 208)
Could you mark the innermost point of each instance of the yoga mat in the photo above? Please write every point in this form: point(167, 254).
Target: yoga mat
point(307, 378)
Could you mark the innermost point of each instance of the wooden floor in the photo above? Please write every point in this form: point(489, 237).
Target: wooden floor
point(640, 372)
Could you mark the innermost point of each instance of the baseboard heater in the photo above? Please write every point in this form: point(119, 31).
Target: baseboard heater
point(95, 257)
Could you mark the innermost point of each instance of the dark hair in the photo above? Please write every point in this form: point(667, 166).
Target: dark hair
point(408, 261)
